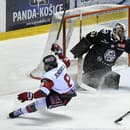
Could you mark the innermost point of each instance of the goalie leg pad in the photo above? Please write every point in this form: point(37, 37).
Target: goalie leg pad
point(111, 80)
point(80, 48)
point(94, 78)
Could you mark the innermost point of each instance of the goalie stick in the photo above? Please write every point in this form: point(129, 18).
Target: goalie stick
point(81, 85)
point(122, 117)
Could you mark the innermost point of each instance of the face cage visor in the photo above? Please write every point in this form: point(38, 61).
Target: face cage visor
point(120, 31)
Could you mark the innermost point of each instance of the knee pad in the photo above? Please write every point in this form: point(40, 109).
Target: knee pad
point(40, 103)
point(111, 80)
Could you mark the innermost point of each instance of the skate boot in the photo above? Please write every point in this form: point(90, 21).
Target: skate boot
point(15, 114)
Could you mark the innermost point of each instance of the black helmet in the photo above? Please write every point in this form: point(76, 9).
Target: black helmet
point(50, 62)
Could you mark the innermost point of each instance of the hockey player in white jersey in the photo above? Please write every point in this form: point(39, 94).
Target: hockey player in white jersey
point(56, 87)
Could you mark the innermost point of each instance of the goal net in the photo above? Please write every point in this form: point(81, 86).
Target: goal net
point(76, 24)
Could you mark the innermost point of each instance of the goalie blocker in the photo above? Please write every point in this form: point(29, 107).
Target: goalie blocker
point(80, 48)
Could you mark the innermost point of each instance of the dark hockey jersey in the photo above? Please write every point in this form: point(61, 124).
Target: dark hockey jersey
point(103, 50)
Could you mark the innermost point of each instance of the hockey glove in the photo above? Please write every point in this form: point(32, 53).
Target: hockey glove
point(56, 49)
point(25, 96)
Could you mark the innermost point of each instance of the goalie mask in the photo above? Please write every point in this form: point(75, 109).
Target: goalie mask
point(119, 31)
point(50, 62)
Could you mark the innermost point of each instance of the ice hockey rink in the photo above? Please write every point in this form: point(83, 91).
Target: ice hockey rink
point(88, 111)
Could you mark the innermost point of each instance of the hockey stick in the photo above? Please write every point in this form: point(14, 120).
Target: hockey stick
point(82, 85)
point(61, 23)
point(122, 117)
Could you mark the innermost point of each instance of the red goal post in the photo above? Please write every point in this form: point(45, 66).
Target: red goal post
point(93, 13)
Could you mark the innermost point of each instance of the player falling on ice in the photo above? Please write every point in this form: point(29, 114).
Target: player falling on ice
point(56, 88)
point(102, 50)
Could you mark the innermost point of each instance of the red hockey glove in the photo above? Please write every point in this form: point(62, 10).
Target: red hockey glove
point(56, 49)
point(25, 96)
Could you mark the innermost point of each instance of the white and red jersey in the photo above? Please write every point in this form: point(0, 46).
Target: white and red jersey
point(57, 79)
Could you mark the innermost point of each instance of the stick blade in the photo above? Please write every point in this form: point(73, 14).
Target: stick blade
point(86, 87)
point(118, 120)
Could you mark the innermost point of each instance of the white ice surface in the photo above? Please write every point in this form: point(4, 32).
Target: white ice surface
point(87, 111)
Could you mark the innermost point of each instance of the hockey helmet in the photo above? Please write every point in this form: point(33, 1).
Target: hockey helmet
point(120, 30)
point(50, 62)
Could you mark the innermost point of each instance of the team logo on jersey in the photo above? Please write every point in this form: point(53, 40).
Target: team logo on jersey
point(38, 2)
point(110, 55)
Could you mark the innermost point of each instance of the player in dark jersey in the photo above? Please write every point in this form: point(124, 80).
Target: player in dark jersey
point(102, 49)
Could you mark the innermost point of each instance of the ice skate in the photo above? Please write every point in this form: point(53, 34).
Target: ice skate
point(15, 114)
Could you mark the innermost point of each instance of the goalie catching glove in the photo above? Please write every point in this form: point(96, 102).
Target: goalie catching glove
point(25, 96)
point(56, 49)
